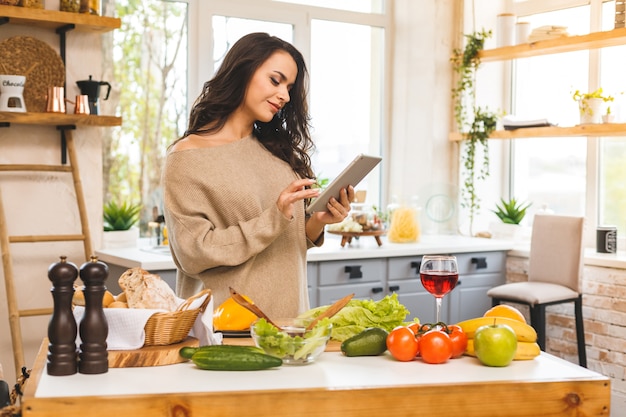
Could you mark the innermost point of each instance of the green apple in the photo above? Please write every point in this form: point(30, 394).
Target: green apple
point(495, 344)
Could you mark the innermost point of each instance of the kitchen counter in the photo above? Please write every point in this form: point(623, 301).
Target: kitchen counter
point(159, 258)
point(333, 386)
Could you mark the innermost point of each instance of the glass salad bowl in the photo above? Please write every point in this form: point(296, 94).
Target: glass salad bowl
point(291, 342)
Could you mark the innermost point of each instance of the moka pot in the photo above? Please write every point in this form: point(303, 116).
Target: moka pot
point(91, 89)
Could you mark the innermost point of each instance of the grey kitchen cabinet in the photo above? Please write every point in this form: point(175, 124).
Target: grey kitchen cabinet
point(477, 273)
point(377, 277)
point(363, 277)
point(404, 279)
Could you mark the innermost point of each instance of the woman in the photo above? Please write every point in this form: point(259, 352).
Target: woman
point(236, 183)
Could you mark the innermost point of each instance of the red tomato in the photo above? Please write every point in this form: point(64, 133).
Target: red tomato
point(402, 344)
point(459, 340)
point(435, 347)
point(415, 327)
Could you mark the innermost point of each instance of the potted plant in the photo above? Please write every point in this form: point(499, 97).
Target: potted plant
point(608, 117)
point(590, 105)
point(119, 224)
point(474, 122)
point(511, 213)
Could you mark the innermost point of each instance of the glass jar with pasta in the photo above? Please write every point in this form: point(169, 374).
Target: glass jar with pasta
point(405, 225)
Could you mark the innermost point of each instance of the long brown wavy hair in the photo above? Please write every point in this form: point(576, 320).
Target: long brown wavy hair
point(287, 135)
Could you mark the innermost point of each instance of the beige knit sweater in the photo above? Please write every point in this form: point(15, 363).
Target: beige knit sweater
point(225, 230)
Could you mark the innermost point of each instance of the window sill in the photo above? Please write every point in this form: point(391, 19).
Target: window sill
point(592, 258)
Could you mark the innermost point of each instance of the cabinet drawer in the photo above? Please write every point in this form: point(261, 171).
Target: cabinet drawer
point(371, 290)
point(351, 272)
point(481, 262)
point(405, 267)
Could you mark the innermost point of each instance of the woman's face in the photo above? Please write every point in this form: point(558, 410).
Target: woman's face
point(268, 90)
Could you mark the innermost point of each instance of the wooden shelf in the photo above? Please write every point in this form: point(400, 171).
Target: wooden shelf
point(594, 40)
point(58, 119)
point(604, 129)
point(53, 19)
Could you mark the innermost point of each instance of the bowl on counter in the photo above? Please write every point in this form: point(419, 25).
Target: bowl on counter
point(291, 342)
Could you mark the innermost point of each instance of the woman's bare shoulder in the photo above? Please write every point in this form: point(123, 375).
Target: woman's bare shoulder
point(193, 142)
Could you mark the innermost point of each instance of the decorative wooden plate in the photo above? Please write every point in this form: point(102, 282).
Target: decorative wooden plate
point(35, 59)
point(346, 237)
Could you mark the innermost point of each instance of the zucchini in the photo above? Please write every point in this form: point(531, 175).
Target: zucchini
point(188, 351)
point(232, 358)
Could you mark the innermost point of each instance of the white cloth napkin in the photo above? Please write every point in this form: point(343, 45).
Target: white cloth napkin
point(126, 325)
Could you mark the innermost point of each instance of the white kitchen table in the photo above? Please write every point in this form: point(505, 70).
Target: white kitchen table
point(335, 385)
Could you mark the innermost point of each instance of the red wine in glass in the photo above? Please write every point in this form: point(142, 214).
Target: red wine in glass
point(439, 275)
point(439, 283)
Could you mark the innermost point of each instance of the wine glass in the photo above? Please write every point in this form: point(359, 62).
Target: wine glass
point(439, 275)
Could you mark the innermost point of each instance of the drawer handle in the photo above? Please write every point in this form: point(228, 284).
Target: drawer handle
point(394, 288)
point(354, 271)
point(377, 290)
point(481, 263)
point(417, 265)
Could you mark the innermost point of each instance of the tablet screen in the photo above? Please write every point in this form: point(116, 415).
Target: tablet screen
point(351, 175)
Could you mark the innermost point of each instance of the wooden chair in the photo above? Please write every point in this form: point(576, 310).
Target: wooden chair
point(554, 275)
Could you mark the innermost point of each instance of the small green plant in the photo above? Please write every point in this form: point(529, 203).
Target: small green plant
point(120, 216)
point(583, 99)
point(596, 94)
point(511, 212)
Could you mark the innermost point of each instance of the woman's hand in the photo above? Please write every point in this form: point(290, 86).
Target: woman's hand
point(337, 211)
point(295, 191)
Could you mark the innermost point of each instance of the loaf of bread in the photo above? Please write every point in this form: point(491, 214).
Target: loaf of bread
point(146, 290)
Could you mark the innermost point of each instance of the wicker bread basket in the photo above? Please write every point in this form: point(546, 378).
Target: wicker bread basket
point(173, 327)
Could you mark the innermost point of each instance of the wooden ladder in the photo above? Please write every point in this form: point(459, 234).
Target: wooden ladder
point(15, 313)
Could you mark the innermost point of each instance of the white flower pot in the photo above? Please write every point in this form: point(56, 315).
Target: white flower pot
point(608, 118)
point(120, 238)
point(590, 110)
point(506, 231)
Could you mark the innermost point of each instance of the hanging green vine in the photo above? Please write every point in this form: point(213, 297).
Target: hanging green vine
point(475, 123)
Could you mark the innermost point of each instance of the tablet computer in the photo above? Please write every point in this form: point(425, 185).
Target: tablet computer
point(351, 175)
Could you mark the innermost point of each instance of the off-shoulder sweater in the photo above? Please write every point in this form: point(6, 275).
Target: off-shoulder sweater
point(225, 230)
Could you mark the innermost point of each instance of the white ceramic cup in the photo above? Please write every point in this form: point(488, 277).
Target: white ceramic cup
point(505, 33)
point(522, 32)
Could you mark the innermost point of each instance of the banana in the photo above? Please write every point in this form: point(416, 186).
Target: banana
point(524, 332)
point(525, 350)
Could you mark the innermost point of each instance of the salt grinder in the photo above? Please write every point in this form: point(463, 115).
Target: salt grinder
point(93, 328)
point(62, 355)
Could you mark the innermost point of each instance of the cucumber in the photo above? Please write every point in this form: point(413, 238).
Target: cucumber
point(188, 351)
point(233, 358)
point(370, 342)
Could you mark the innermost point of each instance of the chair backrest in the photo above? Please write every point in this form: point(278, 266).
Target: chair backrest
point(556, 250)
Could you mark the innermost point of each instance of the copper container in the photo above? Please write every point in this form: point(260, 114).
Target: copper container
point(82, 104)
point(56, 100)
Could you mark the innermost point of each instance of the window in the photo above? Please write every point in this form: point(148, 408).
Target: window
point(345, 55)
point(171, 48)
point(149, 74)
point(551, 172)
point(572, 176)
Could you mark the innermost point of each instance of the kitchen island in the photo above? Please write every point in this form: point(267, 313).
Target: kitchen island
point(335, 385)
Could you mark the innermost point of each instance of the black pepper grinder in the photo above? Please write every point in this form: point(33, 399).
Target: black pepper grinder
point(94, 329)
point(62, 329)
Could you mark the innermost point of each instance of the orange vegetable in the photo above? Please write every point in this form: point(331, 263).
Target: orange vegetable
point(231, 316)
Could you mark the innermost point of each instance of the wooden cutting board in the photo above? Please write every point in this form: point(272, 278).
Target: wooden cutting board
point(150, 355)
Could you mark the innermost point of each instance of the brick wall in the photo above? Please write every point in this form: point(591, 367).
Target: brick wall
point(604, 312)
